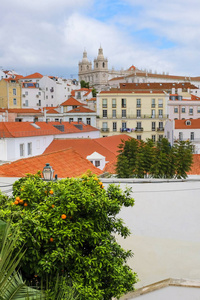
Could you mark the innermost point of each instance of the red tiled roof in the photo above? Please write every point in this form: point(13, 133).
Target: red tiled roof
point(81, 109)
point(181, 124)
point(121, 91)
point(52, 111)
point(156, 85)
point(92, 99)
point(117, 78)
point(66, 163)
point(21, 110)
point(131, 68)
point(84, 147)
point(71, 102)
point(195, 168)
point(24, 129)
point(34, 75)
point(112, 142)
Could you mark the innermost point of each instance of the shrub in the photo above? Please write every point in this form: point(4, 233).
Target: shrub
point(68, 227)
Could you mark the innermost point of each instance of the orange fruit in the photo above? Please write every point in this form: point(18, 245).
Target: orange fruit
point(63, 216)
point(21, 201)
point(17, 198)
point(52, 205)
point(51, 239)
point(25, 204)
point(51, 192)
point(16, 202)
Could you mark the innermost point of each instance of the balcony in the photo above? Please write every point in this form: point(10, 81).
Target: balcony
point(105, 129)
point(160, 129)
point(139, 129)
point(134, 116)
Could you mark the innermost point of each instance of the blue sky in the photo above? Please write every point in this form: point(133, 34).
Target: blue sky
point(49, 36)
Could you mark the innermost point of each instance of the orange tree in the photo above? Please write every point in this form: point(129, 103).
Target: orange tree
point(68, 228)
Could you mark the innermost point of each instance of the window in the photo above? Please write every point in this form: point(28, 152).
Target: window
point(114, 126)
point(21, 150)
point(14, 92)
point(160, 102)
point(123, 125)
point(160, 137)
point(46, 88)
point(88, 121)
point(104, 103)
point(39, 93)
point(14, 101)
point(138, 103)
point(153, 113)
point(192, 136)
point(175, 110)
point(180, 136)
point(71, 119)
point(191, 111)
point(29, 149)
point(123, 113)
point(198, 109)
point(153, 126)
point(105, 113)
point(123, 103)
point(153, 103)
point(160, 125)
point(183, 109)
point(79, 119)
point(114, 103)
point(105, 126)
point(52, 96)
point(114, 113)
point(96, 65)
point(160, 113)
point(39, 102)
point(139, 137)
point(153, 137)
point(26, 93)
point(139, 125)
point(138, 113)
point(97, 163)
point(46, 97)
point(26, 102)
point(188, 122)
point(78, 95)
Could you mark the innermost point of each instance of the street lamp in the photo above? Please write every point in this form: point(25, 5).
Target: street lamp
point(48, 172)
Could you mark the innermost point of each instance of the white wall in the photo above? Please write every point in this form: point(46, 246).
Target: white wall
point(165, 227)
point(39, 144)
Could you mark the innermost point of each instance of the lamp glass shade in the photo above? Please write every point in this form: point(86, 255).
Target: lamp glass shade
point(48, 172)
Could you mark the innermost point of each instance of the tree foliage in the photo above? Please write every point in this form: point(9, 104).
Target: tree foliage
point(68, 227)
point(84, 84)
point(140, 159)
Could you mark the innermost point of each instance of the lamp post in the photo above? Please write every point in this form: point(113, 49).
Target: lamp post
point(48, 172)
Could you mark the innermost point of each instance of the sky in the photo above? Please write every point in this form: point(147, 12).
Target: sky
point(49, 36)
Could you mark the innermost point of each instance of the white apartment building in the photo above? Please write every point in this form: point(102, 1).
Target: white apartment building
point(184, 130)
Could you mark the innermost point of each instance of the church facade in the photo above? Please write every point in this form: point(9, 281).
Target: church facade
point(98, 75)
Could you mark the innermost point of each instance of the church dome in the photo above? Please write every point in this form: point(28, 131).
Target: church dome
point(85, 59)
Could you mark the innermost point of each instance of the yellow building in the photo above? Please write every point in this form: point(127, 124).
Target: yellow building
point(10, 93)
point(142, 114)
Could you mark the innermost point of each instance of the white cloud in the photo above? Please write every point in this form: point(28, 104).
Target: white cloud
point(50, 36)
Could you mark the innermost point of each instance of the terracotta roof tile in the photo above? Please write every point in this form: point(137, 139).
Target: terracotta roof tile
point(84, 147)
point(66, 163)
point(181, 124)
point(195, 168)
point(34, 75)
point(23, 129)
point(71, 102)
point(81, 109)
